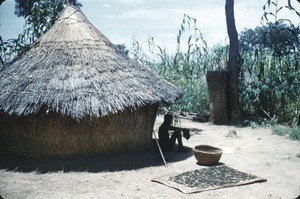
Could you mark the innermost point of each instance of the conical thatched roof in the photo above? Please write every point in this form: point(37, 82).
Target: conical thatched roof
point(75, 70)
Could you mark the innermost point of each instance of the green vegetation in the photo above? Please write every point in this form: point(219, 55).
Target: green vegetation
point(270, 83)
point(269, 78)
point(290, 132)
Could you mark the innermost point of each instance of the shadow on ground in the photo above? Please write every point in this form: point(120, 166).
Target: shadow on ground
point(93, 164)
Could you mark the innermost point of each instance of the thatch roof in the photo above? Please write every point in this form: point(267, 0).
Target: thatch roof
point(75, 70)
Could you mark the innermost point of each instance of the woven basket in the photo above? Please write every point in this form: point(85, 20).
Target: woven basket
point(207, 155)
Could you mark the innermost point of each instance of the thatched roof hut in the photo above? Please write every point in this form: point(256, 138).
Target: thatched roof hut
point(73, 92)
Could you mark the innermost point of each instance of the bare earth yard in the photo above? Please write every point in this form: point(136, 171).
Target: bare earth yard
point(255, 151)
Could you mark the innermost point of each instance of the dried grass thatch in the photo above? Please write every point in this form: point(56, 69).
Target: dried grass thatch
point(55, 135)
point(74, 93)
point(75, 70)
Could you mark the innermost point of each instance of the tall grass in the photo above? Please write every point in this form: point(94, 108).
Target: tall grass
point(269, 79)
point(187, 67)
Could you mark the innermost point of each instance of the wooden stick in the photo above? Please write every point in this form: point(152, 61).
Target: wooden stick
point(161, 153)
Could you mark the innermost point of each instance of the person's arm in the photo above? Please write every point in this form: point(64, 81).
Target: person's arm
point(173, 128)
point(185, 131)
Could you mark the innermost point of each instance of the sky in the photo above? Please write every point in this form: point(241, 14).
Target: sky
point(122, 20)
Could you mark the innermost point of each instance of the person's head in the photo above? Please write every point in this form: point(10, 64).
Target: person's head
point(168, 119)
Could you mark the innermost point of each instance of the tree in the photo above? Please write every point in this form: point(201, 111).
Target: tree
point(233, 65)
point(39, 16)
point(24, 8)
point(271, 70)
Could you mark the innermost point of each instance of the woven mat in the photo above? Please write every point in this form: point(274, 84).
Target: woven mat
point(210, 178)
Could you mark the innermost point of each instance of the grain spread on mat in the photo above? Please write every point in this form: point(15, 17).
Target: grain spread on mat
point(212, 176)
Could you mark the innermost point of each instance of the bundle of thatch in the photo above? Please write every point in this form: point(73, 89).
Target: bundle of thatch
point(73, 92)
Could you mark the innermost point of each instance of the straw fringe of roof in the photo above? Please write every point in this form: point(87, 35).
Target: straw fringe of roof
point(75, 70)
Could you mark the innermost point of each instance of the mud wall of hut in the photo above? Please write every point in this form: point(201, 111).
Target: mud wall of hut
point(55, 135)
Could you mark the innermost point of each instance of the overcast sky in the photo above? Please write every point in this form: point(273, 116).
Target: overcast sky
point(120, 20)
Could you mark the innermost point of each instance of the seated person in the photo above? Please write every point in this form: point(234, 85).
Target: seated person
point(166, 142)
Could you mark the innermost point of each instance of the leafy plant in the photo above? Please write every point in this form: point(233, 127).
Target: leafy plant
point(270, 72)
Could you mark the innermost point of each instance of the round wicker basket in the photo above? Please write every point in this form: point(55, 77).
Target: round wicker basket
point(207, 155)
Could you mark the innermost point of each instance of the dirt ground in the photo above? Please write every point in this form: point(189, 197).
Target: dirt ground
point(255, 151)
